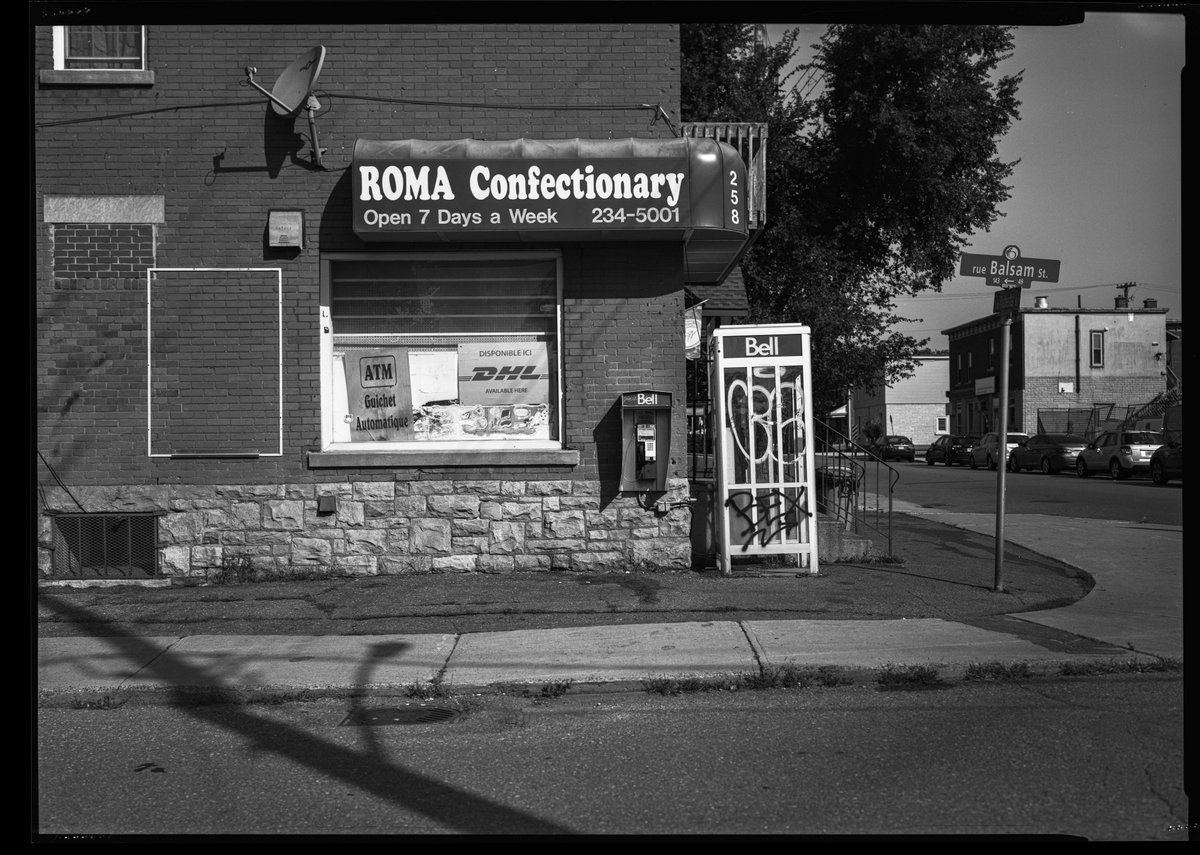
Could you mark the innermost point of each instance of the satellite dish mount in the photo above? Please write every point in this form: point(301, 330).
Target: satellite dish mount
point(293, 91)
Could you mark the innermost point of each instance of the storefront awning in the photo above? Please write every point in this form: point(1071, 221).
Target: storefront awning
point(691, 190)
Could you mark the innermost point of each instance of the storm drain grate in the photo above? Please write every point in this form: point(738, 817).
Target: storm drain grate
point(398, 715)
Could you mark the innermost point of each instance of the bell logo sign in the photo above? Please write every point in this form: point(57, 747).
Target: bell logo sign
point(770, 347)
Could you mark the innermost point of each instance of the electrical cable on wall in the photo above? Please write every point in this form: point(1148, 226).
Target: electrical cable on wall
point(58, 481)
point(658, 111)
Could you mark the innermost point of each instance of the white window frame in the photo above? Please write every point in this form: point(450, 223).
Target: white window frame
point(424, 446)
point(1094, 349)
point(60, 54)
point(151, 273)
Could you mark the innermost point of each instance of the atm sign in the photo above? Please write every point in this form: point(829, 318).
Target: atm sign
point(750, 346)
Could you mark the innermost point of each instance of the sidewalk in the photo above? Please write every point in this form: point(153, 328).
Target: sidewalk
point(474, 633)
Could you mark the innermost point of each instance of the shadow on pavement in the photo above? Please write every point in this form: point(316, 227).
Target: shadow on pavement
point(367, 770)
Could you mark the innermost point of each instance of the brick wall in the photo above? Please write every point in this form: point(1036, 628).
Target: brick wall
point(210, 146)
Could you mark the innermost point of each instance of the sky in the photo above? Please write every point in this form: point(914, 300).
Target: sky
point(1098, 186)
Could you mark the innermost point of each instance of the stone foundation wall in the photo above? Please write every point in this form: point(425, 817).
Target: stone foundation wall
point(385, 527)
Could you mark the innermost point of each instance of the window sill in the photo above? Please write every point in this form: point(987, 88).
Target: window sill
point(95, 77)
point(402, 459)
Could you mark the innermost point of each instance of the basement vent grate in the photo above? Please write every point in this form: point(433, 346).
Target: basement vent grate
point(105, 546)
point(383, 716)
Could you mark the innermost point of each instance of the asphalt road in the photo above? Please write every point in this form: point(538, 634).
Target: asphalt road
point(960, 488)
point(1097, 758)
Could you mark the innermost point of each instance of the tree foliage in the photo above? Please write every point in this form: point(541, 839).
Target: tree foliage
point(875, 182)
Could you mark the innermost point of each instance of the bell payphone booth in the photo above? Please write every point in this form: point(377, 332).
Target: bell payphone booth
point(645, 440)
point(761, 388)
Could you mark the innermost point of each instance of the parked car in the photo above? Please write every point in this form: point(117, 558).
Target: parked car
point(948, 448)
point(963, 453)
point(1121, 453)
point(1049, 452)
point(987, 451)
point(894, 447)
point(1167, 462)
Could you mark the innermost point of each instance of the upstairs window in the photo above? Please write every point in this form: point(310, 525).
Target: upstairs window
point(1097, 349)
point(99, 55)
point(109, 46)
point(991, 353)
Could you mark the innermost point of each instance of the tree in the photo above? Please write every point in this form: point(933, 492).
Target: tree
point(874, 184)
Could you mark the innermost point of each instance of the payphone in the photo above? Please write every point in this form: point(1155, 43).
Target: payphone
point(645, 440)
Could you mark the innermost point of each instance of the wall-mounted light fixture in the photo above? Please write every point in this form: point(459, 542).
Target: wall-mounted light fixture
point(285, 228)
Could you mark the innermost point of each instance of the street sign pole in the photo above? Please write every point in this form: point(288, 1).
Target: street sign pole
point(1002, 444)
point(1011, 272)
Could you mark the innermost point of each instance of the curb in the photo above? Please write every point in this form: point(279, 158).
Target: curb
point(891, 677)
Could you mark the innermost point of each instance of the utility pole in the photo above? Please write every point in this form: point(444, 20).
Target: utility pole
point(1125, 286)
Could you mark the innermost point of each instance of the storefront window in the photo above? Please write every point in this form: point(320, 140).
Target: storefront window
point(427, 351)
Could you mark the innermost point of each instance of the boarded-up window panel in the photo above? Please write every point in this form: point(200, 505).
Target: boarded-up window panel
point(215, 344)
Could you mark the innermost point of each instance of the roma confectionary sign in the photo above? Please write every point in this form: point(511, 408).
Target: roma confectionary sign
point(682, 188)
point(503, 195)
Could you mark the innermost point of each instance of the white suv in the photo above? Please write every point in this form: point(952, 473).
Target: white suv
point(1120, 453)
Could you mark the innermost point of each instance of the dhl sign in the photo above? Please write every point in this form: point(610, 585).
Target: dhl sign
point(503, 373)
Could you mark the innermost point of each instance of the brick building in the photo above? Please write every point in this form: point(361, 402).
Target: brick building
point(364, 298)
point(1061, 361)
point(912, 407)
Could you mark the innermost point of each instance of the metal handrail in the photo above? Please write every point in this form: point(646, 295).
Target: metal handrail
point(860, 503)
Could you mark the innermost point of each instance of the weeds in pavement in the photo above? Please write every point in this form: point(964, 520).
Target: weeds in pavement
point(786, 676)
point(1121, 666)
point(106, 702)
point(233, 570)
point(909, 677)
point(554, 690)
point(998, 671)
point(426, 691)
point(830, 675)
point(679, 685)
point(790, 676)
point(240, 570)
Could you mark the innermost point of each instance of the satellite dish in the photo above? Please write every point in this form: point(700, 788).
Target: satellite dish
point(293, 87)
point(293, 91)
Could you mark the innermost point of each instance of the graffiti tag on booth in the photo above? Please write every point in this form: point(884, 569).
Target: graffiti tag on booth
point(765, 418)
point(379, 396)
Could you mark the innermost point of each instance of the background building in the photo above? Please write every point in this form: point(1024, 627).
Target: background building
point(914, 407)
point(1075, 370)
